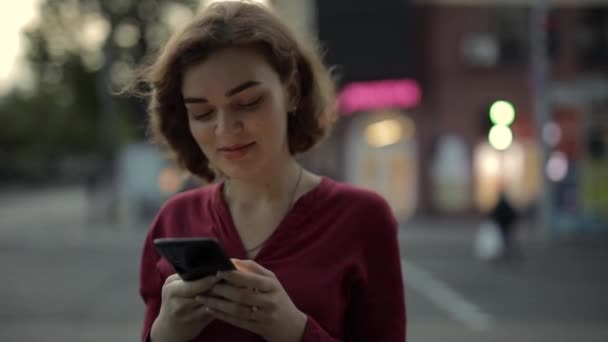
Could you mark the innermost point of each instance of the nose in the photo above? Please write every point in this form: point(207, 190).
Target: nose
point(227, 123)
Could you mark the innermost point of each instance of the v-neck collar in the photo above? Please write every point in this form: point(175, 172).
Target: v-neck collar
point(290, 222)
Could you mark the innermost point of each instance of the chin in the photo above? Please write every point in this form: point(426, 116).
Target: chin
point(238, 170)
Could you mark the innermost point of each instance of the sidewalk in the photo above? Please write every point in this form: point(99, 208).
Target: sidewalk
point(556, 294)
point(461, 233)
point(28, 207)
point(56, 215)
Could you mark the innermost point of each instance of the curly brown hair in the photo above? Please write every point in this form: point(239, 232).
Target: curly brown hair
point(229, 24)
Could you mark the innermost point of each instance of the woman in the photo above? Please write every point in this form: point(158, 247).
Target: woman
point(235, 97)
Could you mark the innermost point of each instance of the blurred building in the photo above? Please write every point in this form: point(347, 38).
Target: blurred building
point(479, 54)
point(417, 80)
point(376, 143)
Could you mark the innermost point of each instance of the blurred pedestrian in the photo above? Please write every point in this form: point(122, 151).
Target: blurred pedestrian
point(235, 96)
point(505, 217)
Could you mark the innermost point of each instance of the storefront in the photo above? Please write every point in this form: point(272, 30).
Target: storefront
point(579, 161)
point(380, 145)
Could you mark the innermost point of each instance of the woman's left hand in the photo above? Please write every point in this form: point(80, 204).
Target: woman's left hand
point(252, 298)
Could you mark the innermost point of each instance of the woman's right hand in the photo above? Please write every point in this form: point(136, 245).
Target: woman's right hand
point(181, 317)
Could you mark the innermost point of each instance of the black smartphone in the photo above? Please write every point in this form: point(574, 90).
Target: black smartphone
point(194, 258)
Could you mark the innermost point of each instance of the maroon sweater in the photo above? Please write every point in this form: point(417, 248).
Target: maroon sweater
point(335, 253)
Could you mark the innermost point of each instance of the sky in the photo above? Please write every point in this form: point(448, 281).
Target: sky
point(14, 17)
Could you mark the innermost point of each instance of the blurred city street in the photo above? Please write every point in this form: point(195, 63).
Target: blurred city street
point(558, 293)
point(68, 281)
point(65, 280)
point(476, 120)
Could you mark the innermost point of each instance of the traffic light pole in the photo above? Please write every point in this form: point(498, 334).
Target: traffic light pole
point(540, 75)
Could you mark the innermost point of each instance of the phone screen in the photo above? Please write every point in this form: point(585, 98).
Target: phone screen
point(194, 258)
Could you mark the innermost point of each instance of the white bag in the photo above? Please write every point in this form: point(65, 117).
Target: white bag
point(488, 242)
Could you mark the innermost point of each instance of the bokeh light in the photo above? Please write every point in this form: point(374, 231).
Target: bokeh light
point(552, 134)
point(383, 133)
point(502, 113)
point(500, 137)
point(557, 166)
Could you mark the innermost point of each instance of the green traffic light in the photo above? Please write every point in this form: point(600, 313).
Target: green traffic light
point(502, 113)
point(500, 137)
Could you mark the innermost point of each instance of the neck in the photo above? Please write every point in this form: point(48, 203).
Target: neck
point(269, 187)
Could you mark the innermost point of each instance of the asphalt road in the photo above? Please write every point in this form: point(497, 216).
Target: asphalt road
point(65, 280)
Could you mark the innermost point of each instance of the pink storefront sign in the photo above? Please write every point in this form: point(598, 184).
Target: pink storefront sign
point(376, 95)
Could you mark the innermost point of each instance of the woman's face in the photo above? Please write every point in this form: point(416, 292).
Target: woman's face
point(237, 111)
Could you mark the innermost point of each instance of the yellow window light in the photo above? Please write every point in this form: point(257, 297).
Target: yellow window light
point(384, 133)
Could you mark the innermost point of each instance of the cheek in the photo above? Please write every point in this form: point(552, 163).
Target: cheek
point(268, 127)
point(202, 134)
point(276, 118)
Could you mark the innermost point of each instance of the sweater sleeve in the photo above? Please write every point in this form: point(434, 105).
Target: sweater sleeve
point(377, 309)
point(150, 285)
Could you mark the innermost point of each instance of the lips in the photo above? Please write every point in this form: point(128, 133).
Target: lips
point(236, 147)
point(236, 152)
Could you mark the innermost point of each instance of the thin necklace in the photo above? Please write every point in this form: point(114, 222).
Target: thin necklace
point(291, 202)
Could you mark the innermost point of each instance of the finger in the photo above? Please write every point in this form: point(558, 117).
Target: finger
point(182, 308)
point(172, 278)
point(193, 288)
point(253, 267)
point(243, 324)
point(248, 280)
point(186, 304)
point(232, 309)
point(239, 295)
point(198, 314)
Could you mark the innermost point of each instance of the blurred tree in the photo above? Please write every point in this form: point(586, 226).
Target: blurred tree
point(78, 51)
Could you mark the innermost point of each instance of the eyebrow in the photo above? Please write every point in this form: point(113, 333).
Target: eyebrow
point(231, 92)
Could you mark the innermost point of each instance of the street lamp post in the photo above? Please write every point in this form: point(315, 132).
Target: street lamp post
point(540, 74)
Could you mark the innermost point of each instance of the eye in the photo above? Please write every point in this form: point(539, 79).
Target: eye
point(252, 103)
point(202, 116)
